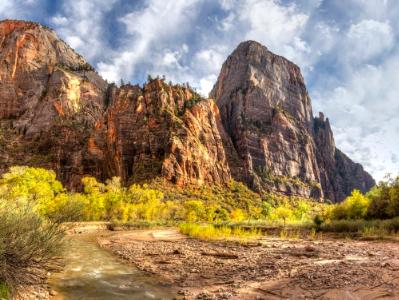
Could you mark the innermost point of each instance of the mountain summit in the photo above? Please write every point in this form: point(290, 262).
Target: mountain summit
point(57, 112)
point(267, 113)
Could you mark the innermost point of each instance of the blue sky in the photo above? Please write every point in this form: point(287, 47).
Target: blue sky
point(348, 52)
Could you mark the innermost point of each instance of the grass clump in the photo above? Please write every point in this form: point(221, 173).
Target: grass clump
point(4, 295)
point(364, 228)
point(210, 232)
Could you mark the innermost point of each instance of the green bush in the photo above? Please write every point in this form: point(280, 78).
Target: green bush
point(361, 226)
point(384, 200)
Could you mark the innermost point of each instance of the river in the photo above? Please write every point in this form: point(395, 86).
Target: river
point(93, 273)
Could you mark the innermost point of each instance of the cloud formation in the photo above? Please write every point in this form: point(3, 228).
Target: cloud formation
point(347, 50)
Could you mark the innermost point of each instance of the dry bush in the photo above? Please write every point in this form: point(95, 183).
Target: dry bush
point(29, 246)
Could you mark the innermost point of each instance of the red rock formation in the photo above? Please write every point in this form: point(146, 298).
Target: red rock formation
point(57, 112)
point(153, 132)
point(72, 121)
point(267, 113)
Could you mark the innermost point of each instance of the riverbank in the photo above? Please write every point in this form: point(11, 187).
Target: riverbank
point(268, 268)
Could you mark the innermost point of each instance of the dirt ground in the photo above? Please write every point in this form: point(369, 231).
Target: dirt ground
point(269, 268)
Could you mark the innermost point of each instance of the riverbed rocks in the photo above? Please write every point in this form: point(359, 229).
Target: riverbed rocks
point(269, 268)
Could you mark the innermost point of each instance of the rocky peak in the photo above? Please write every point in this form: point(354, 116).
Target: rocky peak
point(43, 78)
point(266, 110)
point(253, 68)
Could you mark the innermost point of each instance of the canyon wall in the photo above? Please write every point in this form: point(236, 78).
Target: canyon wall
point(57, 112)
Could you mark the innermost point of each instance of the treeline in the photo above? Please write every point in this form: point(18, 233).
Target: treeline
point(158, 201)
point(381, 202)
point(111, 201)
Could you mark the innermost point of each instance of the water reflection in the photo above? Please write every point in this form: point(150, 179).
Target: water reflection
point(94, 273)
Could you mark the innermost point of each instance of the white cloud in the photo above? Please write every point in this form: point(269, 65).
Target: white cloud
point(364, 116)
point(5, 6)
point(80, 24)
point(206, 84)
point(211, 59)
point(16, 9)
point(276, 26)
point(148, 29)
point(368, 39)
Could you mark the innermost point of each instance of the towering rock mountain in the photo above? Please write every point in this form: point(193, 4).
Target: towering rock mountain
point(57, 112)
point(267, 113)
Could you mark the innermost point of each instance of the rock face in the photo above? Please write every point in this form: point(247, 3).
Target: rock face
point(267, 113)
point(57, 112)
point(160, 130)
point(339, 175)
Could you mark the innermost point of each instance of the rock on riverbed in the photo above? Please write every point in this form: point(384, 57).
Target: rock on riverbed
point(266, 269)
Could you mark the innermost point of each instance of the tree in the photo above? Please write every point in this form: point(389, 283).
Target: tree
point(283, 212)
point(94, 193)
point(36, 186)
point(302, 210)
point(195, 210)
point(356, 205)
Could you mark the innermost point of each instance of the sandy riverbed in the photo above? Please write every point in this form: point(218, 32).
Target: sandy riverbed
point(270, 268)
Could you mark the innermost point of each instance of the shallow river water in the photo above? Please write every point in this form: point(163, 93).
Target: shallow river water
point(93, 273)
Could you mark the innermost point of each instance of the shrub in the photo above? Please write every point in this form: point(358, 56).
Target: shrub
point(211, 232)
point(302, 211)
point(237, 215)
point(29, 245)
point(362, 226)
point(67, 208)
point(267, 209)
point(4, 295)
point(354, 206)
point(194, 210)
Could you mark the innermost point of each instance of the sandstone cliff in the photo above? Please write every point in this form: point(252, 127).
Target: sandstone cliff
point(267, 113)
point(57, 112)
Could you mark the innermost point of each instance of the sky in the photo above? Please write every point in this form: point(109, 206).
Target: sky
point(348, 52)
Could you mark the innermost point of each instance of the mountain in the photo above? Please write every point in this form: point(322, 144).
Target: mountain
point(267, 113)
point(57, 112)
